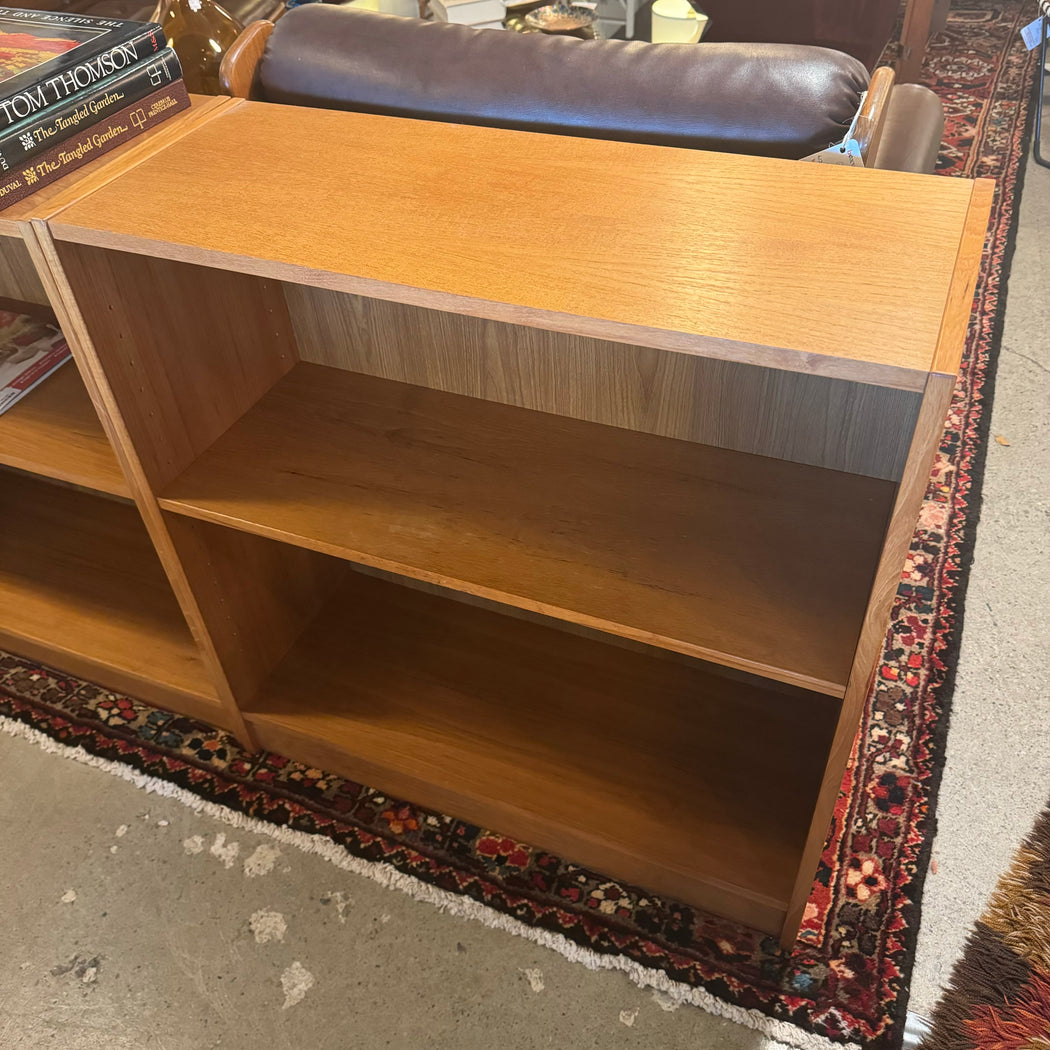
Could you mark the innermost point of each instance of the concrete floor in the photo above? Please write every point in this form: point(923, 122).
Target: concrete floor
point(132, 921)
point(997, 777)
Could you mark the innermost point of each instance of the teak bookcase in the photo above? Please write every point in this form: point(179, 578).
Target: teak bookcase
point(582, 528)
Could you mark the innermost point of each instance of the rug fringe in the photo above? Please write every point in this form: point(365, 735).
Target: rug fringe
point(783, 1032)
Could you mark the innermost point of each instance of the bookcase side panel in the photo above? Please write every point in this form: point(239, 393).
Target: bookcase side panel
point(186, 350)
point(237, 630)
point(925, 441)
point(19, 281)
point(67, 308)
point(901, 528)
point(835, 423)
point(256, 595)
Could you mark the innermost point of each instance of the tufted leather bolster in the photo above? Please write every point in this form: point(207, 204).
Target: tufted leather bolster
point(911, 134)
point(781, 100)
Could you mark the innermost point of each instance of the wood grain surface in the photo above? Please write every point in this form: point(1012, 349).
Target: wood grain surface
point(18, 277)
point(237, 71)
point(55, 431)
point(68, 306)
point(947, 358)
point(702, 792)
point(672, 285)
point(703, 551)
point(926, 439)
point(185, 350)
point(256, 595)
point(800, 266)
point(57, 195)
point(81, 588)
point(872, 116)
point(833, 423)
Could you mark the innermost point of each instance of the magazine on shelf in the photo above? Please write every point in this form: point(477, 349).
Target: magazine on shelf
point(30, 350)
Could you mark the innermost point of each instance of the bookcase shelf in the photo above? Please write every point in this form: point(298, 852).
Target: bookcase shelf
point(81, 588)
point(700, 550)
point(54, 431)
point(515, 725)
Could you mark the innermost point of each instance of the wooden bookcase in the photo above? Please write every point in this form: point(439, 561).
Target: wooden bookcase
point(585, 529)
point(81, 585)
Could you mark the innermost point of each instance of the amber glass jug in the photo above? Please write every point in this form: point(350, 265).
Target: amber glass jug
point(201, 32)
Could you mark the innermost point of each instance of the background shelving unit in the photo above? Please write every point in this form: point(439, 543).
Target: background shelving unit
point(584, 531)
point(81, 588)
point(55, 432)
point(81, 585)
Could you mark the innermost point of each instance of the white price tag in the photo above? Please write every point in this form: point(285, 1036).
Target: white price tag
point(847, 153)
point(1030, 33)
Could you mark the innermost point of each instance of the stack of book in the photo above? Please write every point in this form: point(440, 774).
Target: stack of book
point(73, 87)
point(481, 14)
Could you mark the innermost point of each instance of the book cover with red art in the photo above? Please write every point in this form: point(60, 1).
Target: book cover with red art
point(30, 350)
point(47, 56)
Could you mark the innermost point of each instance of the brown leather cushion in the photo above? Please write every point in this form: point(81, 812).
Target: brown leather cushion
point(911, 135)
point(779, 100)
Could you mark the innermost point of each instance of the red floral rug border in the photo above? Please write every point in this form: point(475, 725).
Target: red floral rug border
point(847, 977)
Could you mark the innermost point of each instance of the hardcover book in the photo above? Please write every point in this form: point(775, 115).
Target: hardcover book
point(47, 56)
point(28, 138)
point(30, 351)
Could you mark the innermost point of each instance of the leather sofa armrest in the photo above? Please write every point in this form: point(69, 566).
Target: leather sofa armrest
point(912, 130)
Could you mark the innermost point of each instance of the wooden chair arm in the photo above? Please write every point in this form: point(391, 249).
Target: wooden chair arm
point(872, 116)
point(239, 64)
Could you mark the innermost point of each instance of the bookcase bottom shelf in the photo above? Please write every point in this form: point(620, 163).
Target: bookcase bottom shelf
point(652, 769)
point(81, 589)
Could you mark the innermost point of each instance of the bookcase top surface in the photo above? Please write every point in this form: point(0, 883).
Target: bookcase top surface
point(808, 267)
point(58, 195)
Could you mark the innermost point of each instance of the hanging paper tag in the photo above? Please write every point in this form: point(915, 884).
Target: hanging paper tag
point(1030, 33)
point(847, 153)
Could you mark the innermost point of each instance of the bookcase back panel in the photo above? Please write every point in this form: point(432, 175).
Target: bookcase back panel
point(18, 277)
point(186, 349)
point(815, 420)
point(255, 595)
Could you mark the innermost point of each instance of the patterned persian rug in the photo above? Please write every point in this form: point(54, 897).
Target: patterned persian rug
point(999, 994)
point(847, 978)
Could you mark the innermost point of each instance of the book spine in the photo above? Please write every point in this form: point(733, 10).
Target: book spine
point(92, 142)
point(146, 41)
point(29, 138)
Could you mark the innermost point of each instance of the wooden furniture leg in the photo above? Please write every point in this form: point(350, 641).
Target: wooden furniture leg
point(918, 23)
